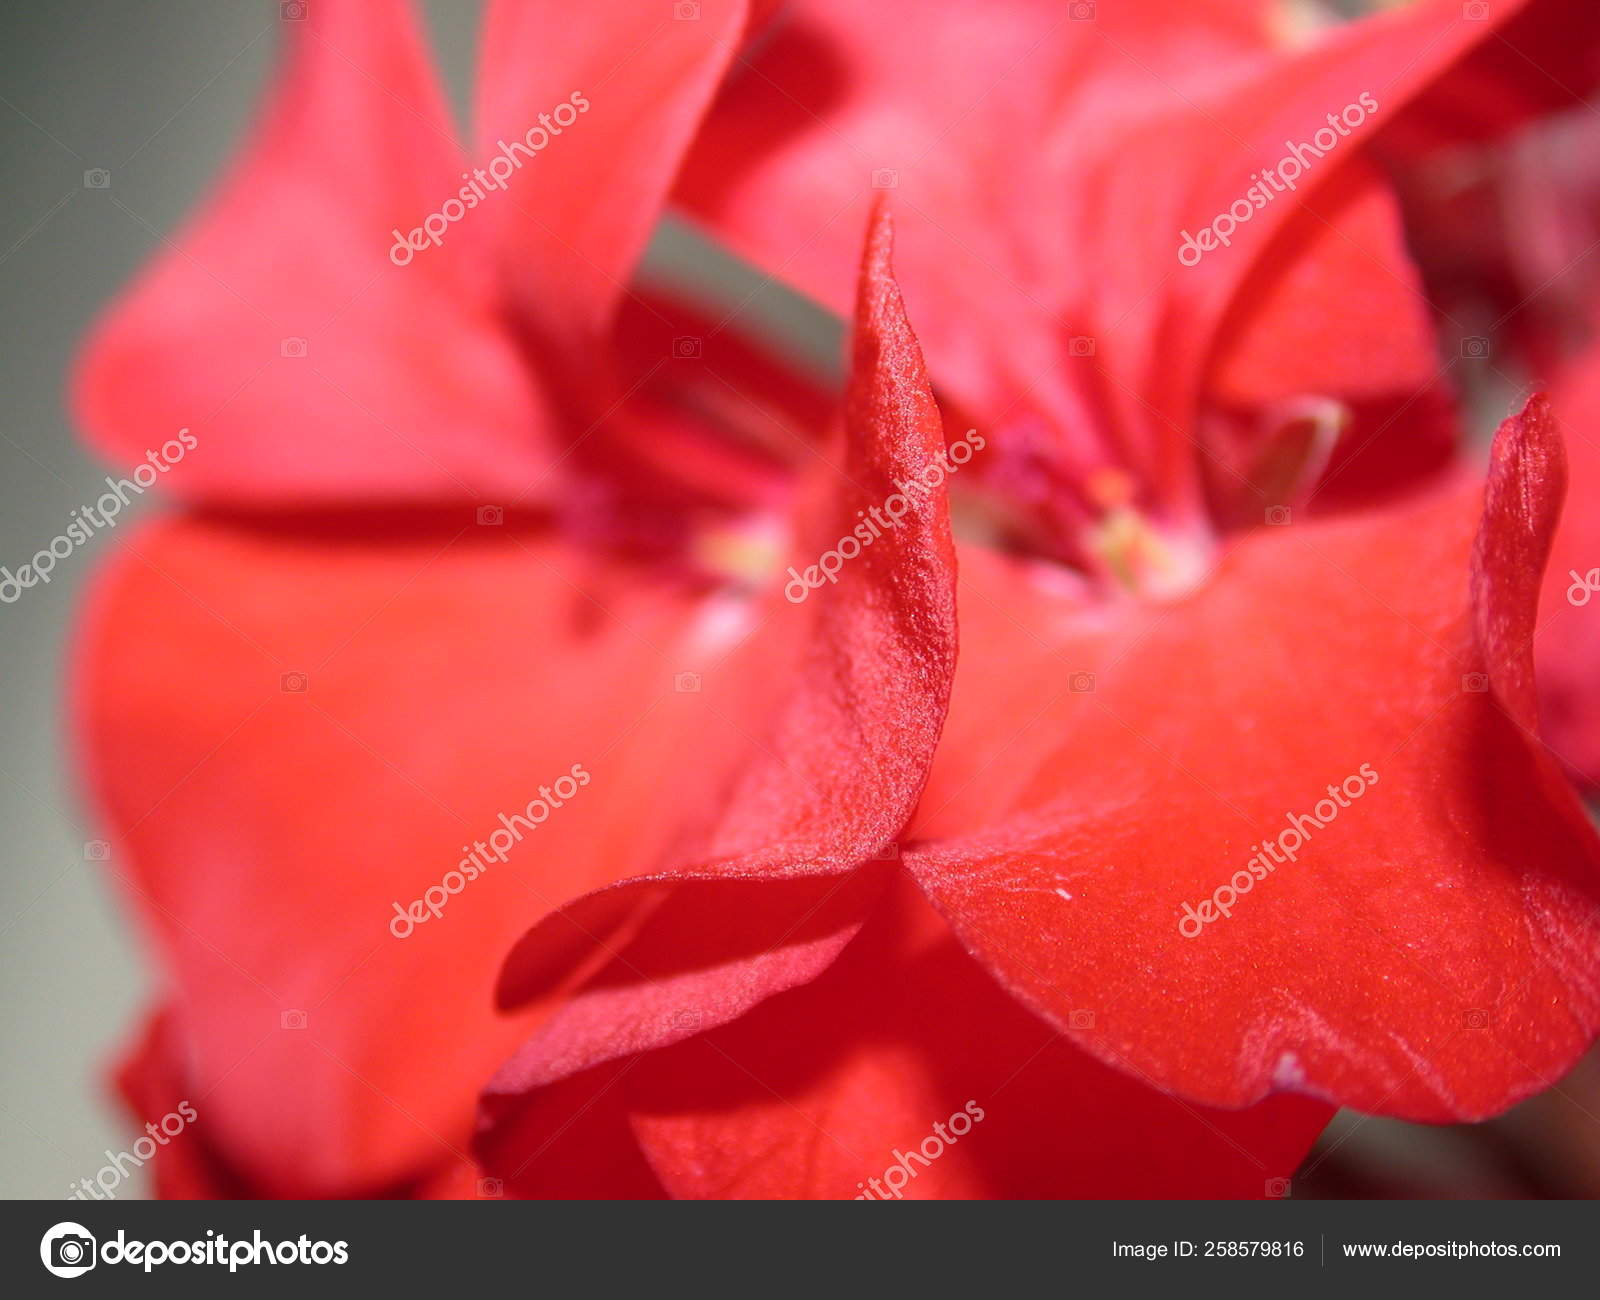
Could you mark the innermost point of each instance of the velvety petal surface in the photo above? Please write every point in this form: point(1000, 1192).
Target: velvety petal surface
point(904, 1071)
point(842, 704)
point(1428, 949)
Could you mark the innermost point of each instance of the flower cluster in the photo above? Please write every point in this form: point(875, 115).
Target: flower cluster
point(867, 835)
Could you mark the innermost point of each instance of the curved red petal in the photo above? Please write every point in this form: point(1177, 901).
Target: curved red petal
point(1039, 300)
point(1422, 944)
point(187, 1166)
point(1544, 60)
point(1295, 346)
point(634, 78)
point(1567, 641)
point(905, 1056)
point(341, 763)
point(844, 697)
point(308, 364)
point(151, 1082)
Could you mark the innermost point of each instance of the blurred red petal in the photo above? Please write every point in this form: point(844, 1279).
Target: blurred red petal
point(152, 1083)
point(1544, 59)
point(288, 730)
point(309, 366)
point(1295, 345)
point(1042, 135)
point(571, 225)
point(188, 1167)
point(1567, 643)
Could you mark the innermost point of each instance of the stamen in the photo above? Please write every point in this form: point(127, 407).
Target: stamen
point(1138, 553)
point(746, 553)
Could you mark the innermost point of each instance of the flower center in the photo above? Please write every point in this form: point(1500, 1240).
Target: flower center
point(744, 553)
point(1139, 557)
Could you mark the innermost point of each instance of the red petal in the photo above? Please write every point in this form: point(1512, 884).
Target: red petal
point(711, 432)
point(575, 1144)
point(1282, 341)
point(1155, 331)
point(408, 386)
point(151, 1081)
point(639, 80)
point(1431, 952)
point(824, 1087)
point(842, 701)
point(1544, 60)
point(1019, 143)
point(1298, 336)
point(188, 1167)
point(1567, 644)
point(265, 835)
point(960, 111)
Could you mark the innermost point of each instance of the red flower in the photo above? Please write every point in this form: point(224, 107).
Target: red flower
point(824, 895)
point(375, 631)
point(1114, 759)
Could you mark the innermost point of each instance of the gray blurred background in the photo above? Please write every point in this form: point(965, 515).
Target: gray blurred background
point(157, 93)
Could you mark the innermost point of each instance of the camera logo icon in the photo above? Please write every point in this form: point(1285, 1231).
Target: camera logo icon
point(292, 11)
point(97, 178)
point(686, 348)
point(1475, 683)
point(1279, 515)
point(68, 1250)
point(491, 1187)
point(686, 11)
point(686, 683)
point(292, 1020)
point(96, 850)
point(885, 178)
point(1082, 346)
point(1474, 349)
point(1081, 11)
point(490, 516)
point(1080, 1019)
point(1082, 683)
point(1277, 1189)
point(1475, 11)
point(294, 683)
